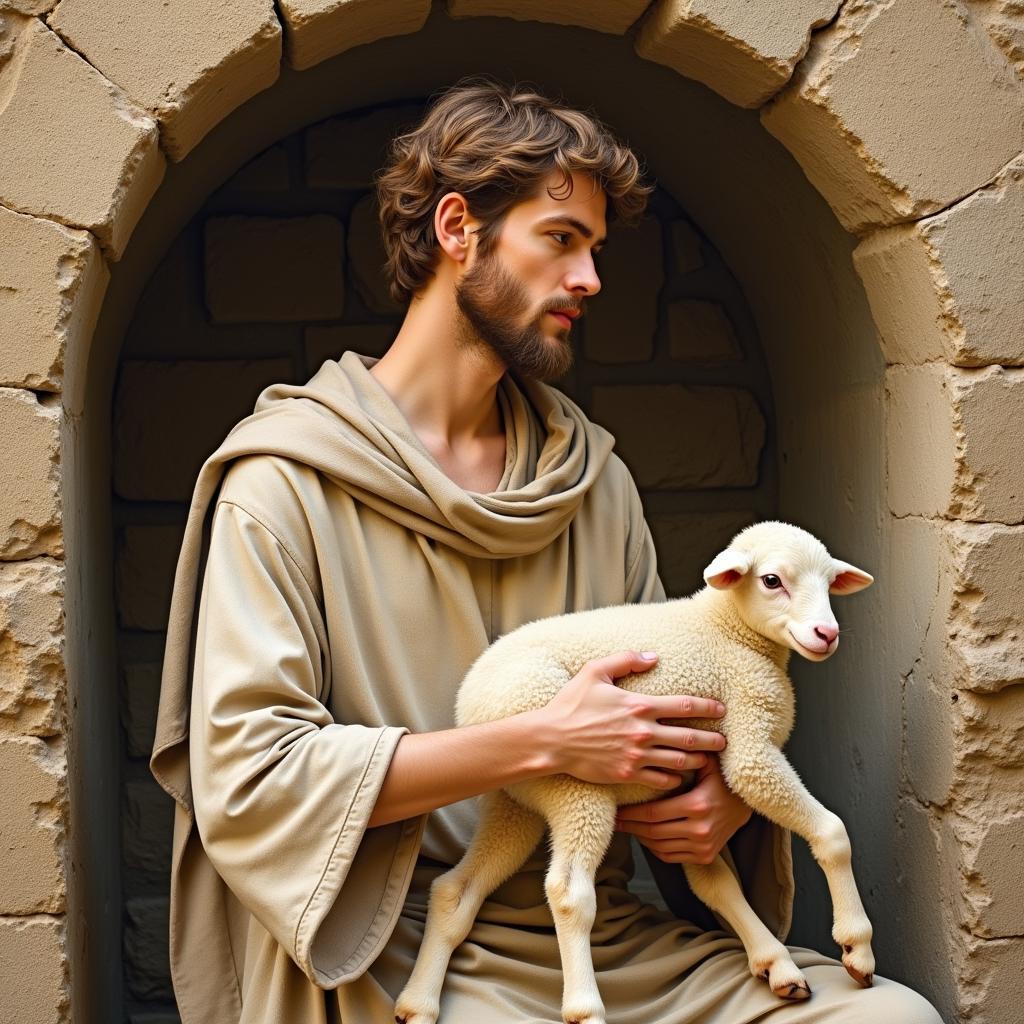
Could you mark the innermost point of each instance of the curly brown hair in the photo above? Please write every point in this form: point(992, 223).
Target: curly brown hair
point(495, 144)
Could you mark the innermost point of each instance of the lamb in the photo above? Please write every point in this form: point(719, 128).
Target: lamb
point(766, 595)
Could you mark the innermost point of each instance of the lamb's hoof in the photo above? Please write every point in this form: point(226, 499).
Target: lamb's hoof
point(864, 980)
point(406, 1013)
point(786, 981)
point(795, 991)
point(859, 963)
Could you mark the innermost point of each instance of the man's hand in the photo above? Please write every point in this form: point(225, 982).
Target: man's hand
point(690, 828)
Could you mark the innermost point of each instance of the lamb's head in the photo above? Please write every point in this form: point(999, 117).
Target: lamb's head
point(779, 578)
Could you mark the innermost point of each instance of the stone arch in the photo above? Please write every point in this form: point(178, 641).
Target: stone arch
point(915, 145)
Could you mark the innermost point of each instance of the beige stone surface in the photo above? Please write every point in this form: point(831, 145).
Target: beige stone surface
point(32, 677)
point(328, 341)
point(143, 574)
point(746, 52)
point(52, 281)
point(140, 698)
point(318, 29)
point(686, 543)
point(996, 860)
point(615, 17)
point(147, 821)
point(33, 808)
point(30, 509)
point(993, 981)
point(146, 961)
point(275, 269)
point(189, 64)
point(876, 156)
point(686, 250)
point(993, 725)
point(33, 7)
point(345, 152)
point(1004, 20)
point(929, 737)
point(35, 980)
point(366, 258)
point(97, 164)
point(701, 332)
point(672, 436)
point(267, 172)
point(619, 322)
point(158, 452)
point(952, 286)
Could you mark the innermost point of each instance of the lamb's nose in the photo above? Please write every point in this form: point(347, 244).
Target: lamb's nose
point(826, 632)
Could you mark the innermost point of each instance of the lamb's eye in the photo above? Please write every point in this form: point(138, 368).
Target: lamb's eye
point(771, 581)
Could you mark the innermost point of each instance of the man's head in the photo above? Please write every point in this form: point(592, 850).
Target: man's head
point(503, 195)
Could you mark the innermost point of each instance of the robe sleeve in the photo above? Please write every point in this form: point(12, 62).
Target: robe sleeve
point(283, 793)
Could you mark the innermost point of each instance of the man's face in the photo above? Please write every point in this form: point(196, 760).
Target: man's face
point(522, 296)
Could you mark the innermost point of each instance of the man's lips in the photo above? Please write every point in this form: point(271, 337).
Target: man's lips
point(564, 317)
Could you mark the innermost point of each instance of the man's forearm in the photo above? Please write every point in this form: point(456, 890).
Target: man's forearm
point(433, 769)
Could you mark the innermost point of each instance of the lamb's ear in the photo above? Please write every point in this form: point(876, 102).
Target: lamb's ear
point(849, 579)
point(727, 569)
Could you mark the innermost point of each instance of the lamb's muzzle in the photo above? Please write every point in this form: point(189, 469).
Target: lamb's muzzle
point(767, 595)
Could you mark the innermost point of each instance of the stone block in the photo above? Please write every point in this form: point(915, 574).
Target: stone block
point(614, 17)
point(190, 65)
point(32, 678)
point(52, 281)
point(366, 258)
point(146, 959)
point(929, 741)
point(876, 158)
point(688, 541)
point(1004, 21)
point(266, 172)
point(140, 699)
point(33, 7)
point(35, 979)
point(147, 822)
point(686, 251)
point(993, 725)
point(98, 162)
point(673, 436)
point(996, 860)
point(745, 52)
point(30, 509)
point(318, 29)
point(279, 269)
point(996, 975)
point(33, 808)
point(701, 332)
point(620, 321)
point(329, 341)
point(952, 286)
point(346, 152)
point(158, 452)
point(144, 574)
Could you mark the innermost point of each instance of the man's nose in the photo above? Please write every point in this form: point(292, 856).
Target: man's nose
point(583, 278)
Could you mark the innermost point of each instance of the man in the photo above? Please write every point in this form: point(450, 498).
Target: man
point(352, 547)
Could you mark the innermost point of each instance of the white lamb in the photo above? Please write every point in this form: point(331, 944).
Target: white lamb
point(767, 595)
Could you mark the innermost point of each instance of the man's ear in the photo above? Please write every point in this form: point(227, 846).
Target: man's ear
point(727, 569)
point(452, 223)
point(849, 579)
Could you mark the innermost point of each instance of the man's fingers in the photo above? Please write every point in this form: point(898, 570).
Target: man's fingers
point(687, 707)
point(614, 666)
point(666, 809)
point(675, 760)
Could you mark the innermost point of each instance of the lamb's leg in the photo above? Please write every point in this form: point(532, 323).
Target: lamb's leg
point(768, 958)
point(581, 823)
point(506, 835)
point(765, 780)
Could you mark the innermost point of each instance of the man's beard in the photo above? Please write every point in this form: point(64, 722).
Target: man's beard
point(493, 302)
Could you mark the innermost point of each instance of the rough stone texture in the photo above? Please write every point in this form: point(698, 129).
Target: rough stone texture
point(1004, 20)
point(188, 64)
point(345, 152)
point(97, 164)
point(366, 258)
point(140, 698)
point(144, 574)
point(318, 29)
point(687, 542)
point(952, 286)
point(147, 963)
point(603, 17)
point(872, 153)
point(33, 806)
point(147, 821)
point(701, 332)
point(274, 268)
point(34, 970)
point(993, 725)
point(993, 981)
point(996, 859)
point(686, 251)
point(52, 280)
point(745, 52)
point(267, 172)
point(33, 7)
point(695, 437)
point(30, 509)
point(32, 678)
point(621, 319)
point(328, 342)
point(158, 452)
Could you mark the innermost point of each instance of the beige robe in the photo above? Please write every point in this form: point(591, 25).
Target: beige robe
point(332, 589)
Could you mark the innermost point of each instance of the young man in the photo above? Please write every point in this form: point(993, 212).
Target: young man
point(352, 547)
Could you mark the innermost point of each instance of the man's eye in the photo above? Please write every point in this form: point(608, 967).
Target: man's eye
point(561, 237)
point(771, 581)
